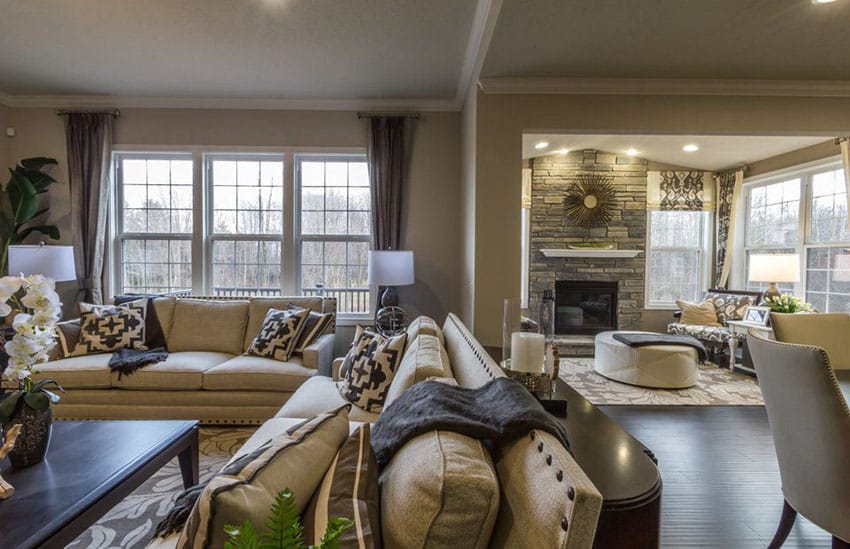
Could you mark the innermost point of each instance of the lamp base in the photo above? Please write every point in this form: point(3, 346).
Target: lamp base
point(389, 298)
point(771, 292)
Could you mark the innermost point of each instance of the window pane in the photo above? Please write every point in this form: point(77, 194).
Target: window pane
point(828, 222)
point(156, 266)
point(676, 243)
point(336, 269)
point(773, 214)
point(246, 267)
point(151, 188)
point(336, 188)
point(247, 196)
point(828, 279)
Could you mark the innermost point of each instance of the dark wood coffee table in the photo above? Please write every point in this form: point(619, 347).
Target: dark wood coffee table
point(90, 467)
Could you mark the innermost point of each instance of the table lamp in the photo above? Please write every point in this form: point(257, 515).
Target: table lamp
point(773, 268)
point(390, 268)
point(54, 262)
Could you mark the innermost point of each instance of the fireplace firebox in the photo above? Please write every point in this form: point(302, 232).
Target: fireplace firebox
point(585, 307)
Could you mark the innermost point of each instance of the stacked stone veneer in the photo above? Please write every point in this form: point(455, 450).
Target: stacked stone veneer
point(550, 228)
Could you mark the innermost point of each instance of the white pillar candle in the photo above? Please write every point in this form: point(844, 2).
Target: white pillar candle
point(527, 351)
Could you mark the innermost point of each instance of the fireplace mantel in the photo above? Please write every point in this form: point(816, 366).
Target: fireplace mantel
point(561, 252)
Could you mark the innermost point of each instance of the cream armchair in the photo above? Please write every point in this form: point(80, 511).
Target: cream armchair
point(810, 422)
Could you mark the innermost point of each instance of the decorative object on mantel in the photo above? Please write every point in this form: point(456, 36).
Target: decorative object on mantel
point(590, 199)
point(589, 252)
point(38, 309)
point(9, 438)
point(19, 205)
point(591, 246)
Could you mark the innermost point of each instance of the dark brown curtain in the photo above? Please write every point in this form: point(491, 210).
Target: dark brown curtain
point(88, 138)
point(389, 145)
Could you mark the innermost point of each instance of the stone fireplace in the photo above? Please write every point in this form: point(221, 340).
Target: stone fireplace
point(585, 307)
point(551, 176)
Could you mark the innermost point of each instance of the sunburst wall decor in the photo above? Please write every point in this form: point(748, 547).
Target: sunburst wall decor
point(590, 200)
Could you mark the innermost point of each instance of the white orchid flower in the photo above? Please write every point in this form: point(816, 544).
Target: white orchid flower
point(5, 310)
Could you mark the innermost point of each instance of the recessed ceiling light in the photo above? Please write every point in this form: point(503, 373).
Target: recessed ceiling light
point(690, 148)
point(562, 151)
point(541, 145)
point(816, 2)
point(631, 152)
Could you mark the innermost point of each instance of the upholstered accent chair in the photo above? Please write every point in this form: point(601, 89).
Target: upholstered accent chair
point(730, 305)
point(829, 331)
point(807, 407)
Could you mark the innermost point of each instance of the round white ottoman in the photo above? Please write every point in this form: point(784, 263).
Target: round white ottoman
point(657, 366)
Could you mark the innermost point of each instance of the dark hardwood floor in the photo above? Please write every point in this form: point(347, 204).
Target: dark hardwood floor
point(721, 478)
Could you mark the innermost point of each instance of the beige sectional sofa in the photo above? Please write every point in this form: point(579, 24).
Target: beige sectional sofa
point(207, 376)
point(544, 499)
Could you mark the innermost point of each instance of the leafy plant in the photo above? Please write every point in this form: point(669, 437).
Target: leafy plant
point(20, 204)
point(787, 303)
point(284, 529)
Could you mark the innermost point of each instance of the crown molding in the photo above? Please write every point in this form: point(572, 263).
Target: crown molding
point(666, 86)
point(222, 103)
point(480, 33)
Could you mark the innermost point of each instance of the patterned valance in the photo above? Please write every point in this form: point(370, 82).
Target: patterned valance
point(680, 190)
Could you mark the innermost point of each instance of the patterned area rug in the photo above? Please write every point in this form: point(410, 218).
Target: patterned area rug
point(715, 387)
point(131, 523)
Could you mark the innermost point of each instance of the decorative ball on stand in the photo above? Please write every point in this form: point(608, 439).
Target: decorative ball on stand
point(391, 320)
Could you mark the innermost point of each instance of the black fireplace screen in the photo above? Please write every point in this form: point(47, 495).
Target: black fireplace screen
point(585, 307)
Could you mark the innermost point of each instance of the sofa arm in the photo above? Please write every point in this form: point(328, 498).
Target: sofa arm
point(319, 354)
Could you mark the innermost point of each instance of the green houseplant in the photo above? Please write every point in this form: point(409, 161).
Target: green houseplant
point(284, 529)
point(20, 204)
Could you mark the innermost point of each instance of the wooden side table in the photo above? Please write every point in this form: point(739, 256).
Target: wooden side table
point(740, 327)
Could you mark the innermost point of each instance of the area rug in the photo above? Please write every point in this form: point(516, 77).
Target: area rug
point(131, 523)
point(715, 387)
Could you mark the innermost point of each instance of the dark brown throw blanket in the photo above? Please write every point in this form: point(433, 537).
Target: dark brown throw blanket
point(127, 361)
point(643, 340)
point(499, 411)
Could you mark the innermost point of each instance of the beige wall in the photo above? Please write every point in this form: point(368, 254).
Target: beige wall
point(501, 120)
point(793, 158)
point(432, 211)
point(466, 271)
point(4, 141)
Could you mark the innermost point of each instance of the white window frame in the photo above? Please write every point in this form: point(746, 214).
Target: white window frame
point(705, 260)
point(201, 251)
point(805, 172)
point(299, 238)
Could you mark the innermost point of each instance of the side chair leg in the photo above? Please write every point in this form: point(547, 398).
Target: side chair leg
point(784, 528)
point(838, 543)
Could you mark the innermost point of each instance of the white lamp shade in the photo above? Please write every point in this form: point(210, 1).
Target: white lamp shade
point(774, 268)
point(55, 262)
point(391, 268)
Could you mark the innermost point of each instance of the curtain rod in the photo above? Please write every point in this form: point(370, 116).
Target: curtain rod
point(744, 168)
point(413, 115)
point(114, 112)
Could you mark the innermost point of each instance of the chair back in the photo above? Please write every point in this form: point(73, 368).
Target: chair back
point(829, 331)
point(810, 422)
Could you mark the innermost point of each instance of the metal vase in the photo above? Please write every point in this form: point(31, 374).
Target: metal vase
point(32, 443)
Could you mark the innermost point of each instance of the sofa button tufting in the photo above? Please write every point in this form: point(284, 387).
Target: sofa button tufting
point(540, 447)
point(571, 493)
point(549, 459)
point(565, 524)
point(559, 475)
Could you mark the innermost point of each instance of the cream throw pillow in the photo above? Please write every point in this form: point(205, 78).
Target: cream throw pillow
point(701, 314)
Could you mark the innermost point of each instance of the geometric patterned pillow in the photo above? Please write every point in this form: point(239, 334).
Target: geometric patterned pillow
point(314, 326)
point(729, 306)
point(279, 333)
point(374, 361)
point(107, 328)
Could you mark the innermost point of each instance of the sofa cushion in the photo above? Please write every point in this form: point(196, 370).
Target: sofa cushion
point(246, 488)
point(213, 326)
point(180, 371)
point(79, 372)
point(374, 361)
point(107, 328)
point(275, 427)
point(253, 373)
point(703, 313)
point(279, 333)
point(717, 334)
point(424, 325)
point(259, 306)
point(424, 358)
point(165, 313)
point(320, 394)
point(439, 490)
point(348, 490)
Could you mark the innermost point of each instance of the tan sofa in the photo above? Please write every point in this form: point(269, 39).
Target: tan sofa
point(207, 376)
point(546, 500)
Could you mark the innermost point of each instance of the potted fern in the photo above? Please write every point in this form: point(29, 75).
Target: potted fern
point(284, 529)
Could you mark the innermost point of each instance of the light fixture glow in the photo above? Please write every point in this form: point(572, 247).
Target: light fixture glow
point(690, 148)
point(562, 151)
point(541, 145)
point(631, 152)
point(817, 2)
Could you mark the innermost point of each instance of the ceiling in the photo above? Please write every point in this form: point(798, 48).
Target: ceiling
point(716, 39)
point(715, 152)
point(316, 49)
